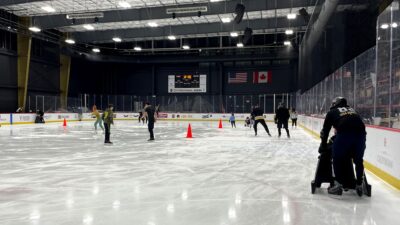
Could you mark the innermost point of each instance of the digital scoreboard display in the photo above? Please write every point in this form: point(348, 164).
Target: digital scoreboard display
point(187, 83)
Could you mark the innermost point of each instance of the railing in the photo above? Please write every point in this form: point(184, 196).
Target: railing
point(370, 82)
point(170, 103)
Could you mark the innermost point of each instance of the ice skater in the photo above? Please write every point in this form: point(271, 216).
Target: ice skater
point(99, 121)
point(149, 114)
point(232, 120)
point(293, 117)
point(247, 122)
point(258, 115)
point(282, 119)
point(108, 118)
point(349, 142)
point(140, 116)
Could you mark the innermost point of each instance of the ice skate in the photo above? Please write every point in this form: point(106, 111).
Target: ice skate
point(337, 189)
point(359, 190)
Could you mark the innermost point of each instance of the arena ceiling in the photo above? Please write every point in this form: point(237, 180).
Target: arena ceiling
point(148, 19)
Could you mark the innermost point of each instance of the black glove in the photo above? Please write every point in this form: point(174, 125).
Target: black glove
point(323, 147)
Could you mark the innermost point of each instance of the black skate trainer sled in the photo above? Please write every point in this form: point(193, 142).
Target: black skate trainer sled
point(324, 173)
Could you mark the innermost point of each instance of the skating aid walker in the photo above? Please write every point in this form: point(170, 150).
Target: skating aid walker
point(324, 174)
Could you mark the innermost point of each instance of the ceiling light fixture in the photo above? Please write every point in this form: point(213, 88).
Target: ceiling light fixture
point(35, 29)
point(292, 16)
point(394, 25)
point(70, 41)
point(186, 47)
point(385, 26)
point(96, 50)
point(171, 37)
point(152, 24)
point(88, 27)
point(226, 20)
point(289, 32)
point(240, 45)
point(117, 39)
point(137, 48)
point(48, 8)
point(234, 34)
point(286, 43)
point(124, 4)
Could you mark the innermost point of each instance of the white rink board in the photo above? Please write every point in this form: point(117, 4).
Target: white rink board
point(208, 116)
point(4, 118)
point(24, 118)
point(382, 145)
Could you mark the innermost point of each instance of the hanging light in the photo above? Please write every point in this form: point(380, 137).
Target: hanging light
point(289, 32)
point(171, 37)
point(35, 29)
point(88, 27)
point(234, 34)
point(117, 39)
point(292, 16)
point(70, 41)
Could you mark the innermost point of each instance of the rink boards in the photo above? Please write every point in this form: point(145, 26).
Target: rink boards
point(29, 118)
point(382, 155)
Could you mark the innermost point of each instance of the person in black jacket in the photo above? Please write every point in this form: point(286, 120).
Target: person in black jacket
point(282, 116)
point(258, 115)
point(149, 113)
point(349, 142)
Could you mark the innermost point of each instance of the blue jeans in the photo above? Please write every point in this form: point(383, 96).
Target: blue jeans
point(99, 121)
point(348, 146)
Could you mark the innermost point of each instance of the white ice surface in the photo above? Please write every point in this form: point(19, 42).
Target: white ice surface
point(55, 176)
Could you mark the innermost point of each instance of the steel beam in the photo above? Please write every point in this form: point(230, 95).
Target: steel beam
point(65, 71)
point(190, 29)
point(16, 2)
point(24, 44)
point(54, 21)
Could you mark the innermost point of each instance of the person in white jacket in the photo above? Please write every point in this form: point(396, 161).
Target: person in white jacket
point(293, 117)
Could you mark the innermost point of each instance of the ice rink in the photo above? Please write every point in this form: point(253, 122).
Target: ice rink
point(52, 175)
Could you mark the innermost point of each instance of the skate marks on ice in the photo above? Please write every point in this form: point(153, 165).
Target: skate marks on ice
point(52, 175)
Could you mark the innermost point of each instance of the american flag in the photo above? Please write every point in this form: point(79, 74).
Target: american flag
point(237, 78)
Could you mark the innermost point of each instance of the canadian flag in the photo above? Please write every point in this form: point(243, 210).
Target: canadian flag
point(262, 77)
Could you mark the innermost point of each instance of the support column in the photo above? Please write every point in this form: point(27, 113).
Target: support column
point(24, 44)
point(65, 70)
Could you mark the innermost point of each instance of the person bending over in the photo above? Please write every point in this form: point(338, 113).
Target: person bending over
point(258, 115)
point(349, 142)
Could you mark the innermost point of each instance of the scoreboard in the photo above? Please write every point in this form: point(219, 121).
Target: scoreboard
point(187, 83)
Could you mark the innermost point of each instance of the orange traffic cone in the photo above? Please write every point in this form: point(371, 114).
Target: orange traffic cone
point(189, 132)
point(65, 122)
point(220, 124)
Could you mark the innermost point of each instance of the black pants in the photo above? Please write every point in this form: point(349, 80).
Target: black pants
point(262, 123)
point(140, 118)
point(294, 122)
point(151, 127)
point(107, 127)
point(233, 123)
point(348, 146)
point(283, 124)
